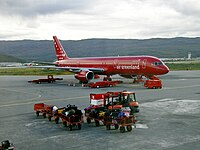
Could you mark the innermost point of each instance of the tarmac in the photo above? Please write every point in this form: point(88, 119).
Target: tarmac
point(169, 118)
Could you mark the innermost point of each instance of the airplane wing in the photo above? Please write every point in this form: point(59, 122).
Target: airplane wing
point(72, 69)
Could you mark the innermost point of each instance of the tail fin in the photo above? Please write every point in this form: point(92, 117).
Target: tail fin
point(60, 52)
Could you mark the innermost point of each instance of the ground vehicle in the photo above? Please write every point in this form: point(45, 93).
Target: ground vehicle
point(153, 82)
point(113, 99)
point(101, 103)
point(102, 84)
point(124, 98)
point(6, 145)
point(49, 79)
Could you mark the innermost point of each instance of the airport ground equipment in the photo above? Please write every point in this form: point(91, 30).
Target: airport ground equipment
point(71, 116)
point(153, 83)
point(56, 114)
point(101, 84)
point(41, 108)
point(96, 114)
point(110, 100)
point(120, 118)
point(49, 79)
point(120, 123)
point(100, 104)
point(124, 98)
point(6, 145)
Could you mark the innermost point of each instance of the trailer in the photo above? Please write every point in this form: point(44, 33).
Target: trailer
point(96, 114)
point(101, 84)
point(41, 108)
point(120, 119)
point(55, 113)
point(124, 123)
point(71, 117)
point(72, 121)
point(49, 79)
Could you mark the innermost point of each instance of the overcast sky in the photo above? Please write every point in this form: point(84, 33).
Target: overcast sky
point(82, 19)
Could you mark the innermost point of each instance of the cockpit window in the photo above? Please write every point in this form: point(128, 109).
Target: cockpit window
point(157, 63)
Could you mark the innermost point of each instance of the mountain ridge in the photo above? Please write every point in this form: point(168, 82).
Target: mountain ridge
point(43, 50)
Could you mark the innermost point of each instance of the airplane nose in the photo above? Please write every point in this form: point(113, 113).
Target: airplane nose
point(166, 70)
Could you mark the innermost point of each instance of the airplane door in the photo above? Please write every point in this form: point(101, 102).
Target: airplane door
point(144, 64)
point(115, 63)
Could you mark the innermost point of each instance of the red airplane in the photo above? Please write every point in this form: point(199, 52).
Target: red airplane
point(89, 68)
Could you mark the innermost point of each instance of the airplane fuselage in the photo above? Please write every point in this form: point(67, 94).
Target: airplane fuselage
point(123, 65)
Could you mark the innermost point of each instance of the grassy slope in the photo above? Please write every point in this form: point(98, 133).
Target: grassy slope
point(184, 66)
point(31, 71)
point(6, 58)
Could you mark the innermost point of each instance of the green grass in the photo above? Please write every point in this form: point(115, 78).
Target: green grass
point(184, 66)
point(31, 71)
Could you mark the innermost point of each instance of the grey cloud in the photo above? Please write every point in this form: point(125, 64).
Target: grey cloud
point(26, 8)
point(185, 7)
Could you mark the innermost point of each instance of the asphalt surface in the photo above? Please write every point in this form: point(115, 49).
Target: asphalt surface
point(169, 118)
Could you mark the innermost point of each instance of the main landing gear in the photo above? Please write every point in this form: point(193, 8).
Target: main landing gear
point(107, 78)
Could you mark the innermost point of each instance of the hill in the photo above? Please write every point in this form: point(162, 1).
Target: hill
point(43, 50)
point(5, 58)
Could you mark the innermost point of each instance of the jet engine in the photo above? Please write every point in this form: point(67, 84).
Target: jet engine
point(84, 76)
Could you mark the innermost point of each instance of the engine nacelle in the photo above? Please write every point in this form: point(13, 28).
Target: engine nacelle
point(84, 76)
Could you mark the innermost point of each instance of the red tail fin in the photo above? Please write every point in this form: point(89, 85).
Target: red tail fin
point(60, 52)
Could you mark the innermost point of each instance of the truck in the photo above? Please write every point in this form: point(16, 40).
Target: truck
point(153, 83)
point(49, 79)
